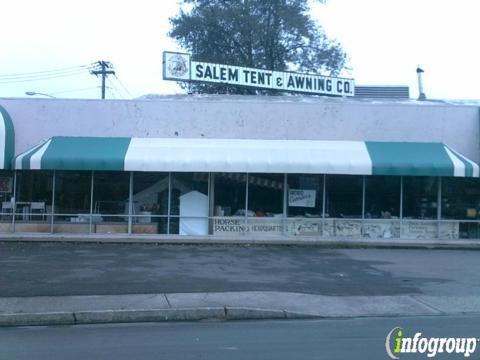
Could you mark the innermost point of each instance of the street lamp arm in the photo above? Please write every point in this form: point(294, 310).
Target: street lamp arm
point(33, 93)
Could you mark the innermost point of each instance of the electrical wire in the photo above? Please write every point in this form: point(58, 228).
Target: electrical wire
point(40, 78)
point(114, 90)
point(123, 86)
point(37, 74)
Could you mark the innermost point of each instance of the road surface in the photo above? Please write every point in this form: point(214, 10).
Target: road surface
point(362, 338)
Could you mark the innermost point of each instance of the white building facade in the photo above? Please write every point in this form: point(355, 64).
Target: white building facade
point(239, 166)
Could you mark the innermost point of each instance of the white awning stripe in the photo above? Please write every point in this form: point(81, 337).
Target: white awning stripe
point(458, 165)
point(36, 159)
point(19, 158)
point(232, 155)
point(476, 171)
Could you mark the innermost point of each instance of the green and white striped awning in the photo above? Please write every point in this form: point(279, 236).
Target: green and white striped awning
point(247, 156)
point(7, 140)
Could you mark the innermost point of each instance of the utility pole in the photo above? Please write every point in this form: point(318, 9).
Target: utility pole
point(102, 69)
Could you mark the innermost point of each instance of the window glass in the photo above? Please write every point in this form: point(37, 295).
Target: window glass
point(110, 195)
point(189, 204)
point(344, 196)
point(7, 200)
point(6, 191)
point(382, 197)
point(265, 195)
point(33, 201)
point(150, 193)
point(72, 192)
point(34, 187)
point(150, 202)
point(230, 192)
point(460, 198)
point(305, 195)
point(420, 197)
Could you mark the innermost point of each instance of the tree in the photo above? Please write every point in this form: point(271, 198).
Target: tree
point(271, 34)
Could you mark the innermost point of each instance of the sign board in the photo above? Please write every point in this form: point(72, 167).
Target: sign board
point(232, 225)
point(180, 67)
point(302, 198)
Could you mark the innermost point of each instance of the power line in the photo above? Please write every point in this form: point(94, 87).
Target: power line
point(2, 81)
point(102, 69)
point(120, 90)
point(114, 90)
point(112, 93)
point(35, 74)
point(123, 86)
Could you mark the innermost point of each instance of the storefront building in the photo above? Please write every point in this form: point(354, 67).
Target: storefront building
point(236, 167)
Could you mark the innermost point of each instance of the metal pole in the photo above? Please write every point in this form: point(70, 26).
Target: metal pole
point(211, 194)
point(53, 200)
point(401, 206)
point(169, 201)
point(285, 207)
point(14, 211)
point(91, 204)
point(130, 203)
point(439, 206)
point(324, 201)
point(246, 202)
point(363, 204)
point(104, 75)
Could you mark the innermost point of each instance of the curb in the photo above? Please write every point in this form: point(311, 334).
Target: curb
point(352, 243)
point(152, 315)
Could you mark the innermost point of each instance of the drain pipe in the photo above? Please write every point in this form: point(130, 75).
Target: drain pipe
point(421, 93)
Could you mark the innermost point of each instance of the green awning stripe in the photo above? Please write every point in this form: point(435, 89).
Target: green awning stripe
point(8, 140)
point(85, 153)
point(409, 159)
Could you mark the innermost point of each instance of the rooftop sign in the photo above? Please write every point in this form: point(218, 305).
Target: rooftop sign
point(180, 67)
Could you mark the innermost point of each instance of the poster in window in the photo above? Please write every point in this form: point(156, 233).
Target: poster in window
point(6, 184)
point(302, 198)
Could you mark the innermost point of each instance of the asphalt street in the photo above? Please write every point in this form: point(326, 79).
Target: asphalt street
point(362, 338)
point(36, 269)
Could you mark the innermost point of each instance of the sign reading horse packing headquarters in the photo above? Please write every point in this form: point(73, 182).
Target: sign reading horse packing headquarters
point(180, 67)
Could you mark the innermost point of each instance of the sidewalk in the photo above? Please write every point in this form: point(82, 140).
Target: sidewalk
point(347, 242)
point(248, 305)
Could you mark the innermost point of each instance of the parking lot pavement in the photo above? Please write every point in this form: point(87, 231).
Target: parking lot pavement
point(50, 269)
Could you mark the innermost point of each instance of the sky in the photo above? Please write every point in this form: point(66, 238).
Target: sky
point(385, 41)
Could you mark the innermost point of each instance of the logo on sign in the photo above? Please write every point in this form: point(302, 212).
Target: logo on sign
point(177, 65)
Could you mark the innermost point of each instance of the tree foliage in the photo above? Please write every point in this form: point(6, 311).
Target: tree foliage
point(271, 34)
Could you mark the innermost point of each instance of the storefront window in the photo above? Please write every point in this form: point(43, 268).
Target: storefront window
point(420, 197)
point(72, 201)
point(7, 200)
point(6, 191)
point(265, 195)
point(460, 201)
point(110, 201)
point(33, 201)
point(460, 198)
point(150, 202)
point(382, 197)
point(344, 196)
point(305, 195)
point(230, 192)
point(72, 193)
point(189, 204)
